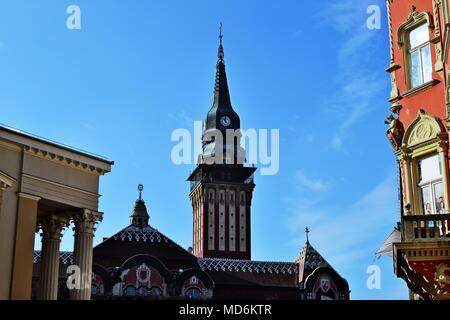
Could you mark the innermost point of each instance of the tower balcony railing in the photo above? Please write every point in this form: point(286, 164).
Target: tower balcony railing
point(425, 227)
point(194, 183)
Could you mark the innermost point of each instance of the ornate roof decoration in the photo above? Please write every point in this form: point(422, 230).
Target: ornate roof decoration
point(139, 216)
point(231, 265)
point(65, 257)
point(146, 234)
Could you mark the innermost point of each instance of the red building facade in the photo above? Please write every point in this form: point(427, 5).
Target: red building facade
point(418, 131)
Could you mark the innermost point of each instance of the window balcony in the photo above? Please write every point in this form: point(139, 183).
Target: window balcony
point(430, 227)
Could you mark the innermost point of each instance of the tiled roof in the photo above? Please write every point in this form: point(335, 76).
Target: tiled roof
point(230, 265)
point(311, 257)
point(146, 234)
point(65, 257)
point(308, 260)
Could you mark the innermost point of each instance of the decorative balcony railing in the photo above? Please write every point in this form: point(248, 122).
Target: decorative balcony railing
point(425, 227)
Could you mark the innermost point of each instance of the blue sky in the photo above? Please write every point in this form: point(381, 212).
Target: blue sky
point(137, 70)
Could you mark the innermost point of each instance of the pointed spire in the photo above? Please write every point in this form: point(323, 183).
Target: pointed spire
point(221, 92)
point(139, 216)
point(220, 54)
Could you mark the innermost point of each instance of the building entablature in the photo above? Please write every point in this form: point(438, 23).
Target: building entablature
point(55, 152)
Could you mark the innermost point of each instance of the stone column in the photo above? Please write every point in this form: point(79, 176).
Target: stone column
point(409, 205)
point(82, 254)
point(52, 226)
point(22, 271)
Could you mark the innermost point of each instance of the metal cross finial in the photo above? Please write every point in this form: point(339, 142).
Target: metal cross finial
point(220, 54)
point(307, 234)
point(140, 188)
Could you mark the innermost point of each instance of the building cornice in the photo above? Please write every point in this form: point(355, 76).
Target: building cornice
point(65, 160)
point(58, 153)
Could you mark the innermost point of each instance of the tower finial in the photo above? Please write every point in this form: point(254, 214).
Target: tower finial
point(139, 216)
point(307, 234)
point(140, 188)
point(221, 53)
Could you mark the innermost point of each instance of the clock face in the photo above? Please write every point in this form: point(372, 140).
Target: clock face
point(225, 121)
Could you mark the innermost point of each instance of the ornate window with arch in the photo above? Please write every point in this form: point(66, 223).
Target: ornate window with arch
point(154, 292)
point(414, 38)
point(419, 56)
point(193, 293)
point(130, 291)
point(142, 291)
point(425, 167)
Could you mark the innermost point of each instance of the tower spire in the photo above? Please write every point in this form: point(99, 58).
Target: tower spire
point(221, 93)
point(139, 216)
point(221, 54)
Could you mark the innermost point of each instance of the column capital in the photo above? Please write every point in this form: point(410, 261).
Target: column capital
point(85, 220)
point(443, 146)
point(3, 186)
point(28, 196)
point(52, 226)
point(6, 181)
point(404, 154)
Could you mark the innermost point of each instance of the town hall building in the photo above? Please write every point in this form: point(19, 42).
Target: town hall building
point(140, 262)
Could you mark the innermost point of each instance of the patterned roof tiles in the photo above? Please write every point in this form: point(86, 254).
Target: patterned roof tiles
point(231, 265)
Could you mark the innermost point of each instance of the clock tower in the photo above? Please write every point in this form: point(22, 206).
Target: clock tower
point(221, 186)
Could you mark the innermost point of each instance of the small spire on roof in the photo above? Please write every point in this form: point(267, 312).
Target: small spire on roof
point(139, 216)
point(140, 188)
point(307, 234)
